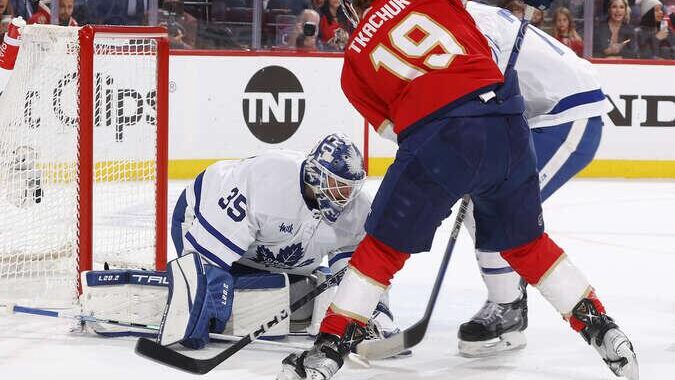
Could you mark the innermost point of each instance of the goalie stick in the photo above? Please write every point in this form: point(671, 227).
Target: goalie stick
point(18, 309)
point(165, 355)
point(384, 348)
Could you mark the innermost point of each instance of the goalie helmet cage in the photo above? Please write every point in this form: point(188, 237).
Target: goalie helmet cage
point(83, 159)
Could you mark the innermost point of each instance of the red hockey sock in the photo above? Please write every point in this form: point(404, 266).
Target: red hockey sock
point(377, 263)
point(377, 260)
point(336, 324)
point(532, 260)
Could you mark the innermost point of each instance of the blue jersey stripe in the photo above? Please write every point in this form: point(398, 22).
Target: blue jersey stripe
point(205, 252)
point(546, 39)
point(338, 257)
point(221, 238)
point(497, 270)
point(198, 190)
point(207, 226)
point(578, 99)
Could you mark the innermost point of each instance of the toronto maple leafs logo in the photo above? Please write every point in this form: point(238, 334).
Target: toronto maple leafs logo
point(287, 258)
point(354, 162)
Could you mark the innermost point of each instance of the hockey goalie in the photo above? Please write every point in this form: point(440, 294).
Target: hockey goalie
point(251, 237)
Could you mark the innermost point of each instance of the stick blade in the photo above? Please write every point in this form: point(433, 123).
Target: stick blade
point(414, 334)
point(385, 348)
point(164, 355)
point(381, 348)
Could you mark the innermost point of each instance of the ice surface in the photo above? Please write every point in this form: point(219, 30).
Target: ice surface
point(620, 233)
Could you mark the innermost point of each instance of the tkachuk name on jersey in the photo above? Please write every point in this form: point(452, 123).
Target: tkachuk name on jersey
point(375, 21)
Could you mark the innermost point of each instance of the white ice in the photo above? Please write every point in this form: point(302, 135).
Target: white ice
point(620, 233)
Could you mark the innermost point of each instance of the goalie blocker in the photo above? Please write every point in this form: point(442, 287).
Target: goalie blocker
point(139, 296)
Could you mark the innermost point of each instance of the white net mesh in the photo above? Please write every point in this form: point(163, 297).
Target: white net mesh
point(39, 163)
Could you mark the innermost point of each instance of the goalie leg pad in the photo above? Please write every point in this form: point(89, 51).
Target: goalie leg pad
point(257, 295)
point(131, 296)
point(138, 296)
point(200, 297)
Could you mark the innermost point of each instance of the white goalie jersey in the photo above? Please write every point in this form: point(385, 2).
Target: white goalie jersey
point(252, 211)
point(558, 87)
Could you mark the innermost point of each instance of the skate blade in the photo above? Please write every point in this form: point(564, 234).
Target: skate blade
point(510, 341)
point(631, 369)
point(358, 360)
point(287, 373)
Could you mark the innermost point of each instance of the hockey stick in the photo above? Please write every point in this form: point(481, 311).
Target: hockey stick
point(78, 317)
point(165, 355)
point(91, 319)
point(384, 348)
point(235, 338)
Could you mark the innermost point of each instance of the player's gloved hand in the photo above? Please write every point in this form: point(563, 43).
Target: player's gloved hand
point(200, 299)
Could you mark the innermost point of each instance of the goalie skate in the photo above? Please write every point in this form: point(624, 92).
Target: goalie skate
point(495, 328)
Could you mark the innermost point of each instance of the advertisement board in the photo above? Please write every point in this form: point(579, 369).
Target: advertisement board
point(228, 107)
point(233, 106)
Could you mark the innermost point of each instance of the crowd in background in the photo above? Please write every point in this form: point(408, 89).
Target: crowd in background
point(621, 28)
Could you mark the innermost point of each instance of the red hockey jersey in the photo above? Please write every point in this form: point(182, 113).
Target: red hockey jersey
point(408, 58)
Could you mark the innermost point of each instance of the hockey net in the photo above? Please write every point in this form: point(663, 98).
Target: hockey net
point(83, 159)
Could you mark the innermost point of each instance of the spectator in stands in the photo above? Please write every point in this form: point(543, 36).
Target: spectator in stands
point(306, 43)
point(655, 41)
point(43, 14)
point(614, 38)
point(565, 30)
point(517, 8)
point(334, 25)
point(19, 8)
point(182, 26)
point(6, 8)
point(6, 15)
point(537, 18)
point(305, 32)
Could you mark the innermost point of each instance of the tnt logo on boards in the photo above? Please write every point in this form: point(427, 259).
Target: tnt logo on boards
point(273, 104)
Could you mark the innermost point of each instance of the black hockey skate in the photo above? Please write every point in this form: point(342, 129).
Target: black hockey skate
point(611, 343)
point(323, 360)
point(497, 327)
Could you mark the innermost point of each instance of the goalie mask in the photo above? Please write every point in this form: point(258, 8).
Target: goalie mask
point(334, 171)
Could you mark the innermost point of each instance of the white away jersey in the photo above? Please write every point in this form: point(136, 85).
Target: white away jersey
point(558, 87)
point(252, 211)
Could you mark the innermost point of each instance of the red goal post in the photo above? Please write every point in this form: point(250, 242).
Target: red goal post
point(87, 37)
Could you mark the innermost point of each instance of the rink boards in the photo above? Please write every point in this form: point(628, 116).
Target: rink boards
point(238, 104)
